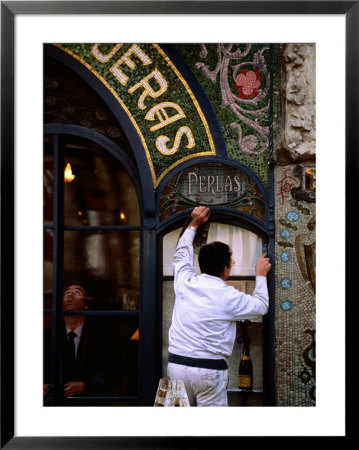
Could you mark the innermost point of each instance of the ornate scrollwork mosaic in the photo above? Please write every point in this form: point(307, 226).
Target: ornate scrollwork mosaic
point(307, 374)
point(244, 81)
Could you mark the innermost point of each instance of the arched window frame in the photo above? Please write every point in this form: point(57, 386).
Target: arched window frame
point(58, 226)
point(223, 214)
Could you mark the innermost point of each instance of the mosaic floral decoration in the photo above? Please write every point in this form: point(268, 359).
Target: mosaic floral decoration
point(285, 234)
point(248, 105)
point(286, 306)
point(248, 83)
point(292, 216)
point(285, 256)
point(286, 283)
point(236, 78)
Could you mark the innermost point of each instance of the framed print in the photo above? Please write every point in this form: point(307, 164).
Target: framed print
point(233, 105)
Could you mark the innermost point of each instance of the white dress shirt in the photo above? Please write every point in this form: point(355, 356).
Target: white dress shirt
point(206, 308)
point(77, 338)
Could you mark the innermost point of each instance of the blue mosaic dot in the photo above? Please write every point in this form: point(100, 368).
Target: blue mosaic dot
point(286, 283)
point(292, 216)
point(286, 306)
point(285, 234)
point(285, 256)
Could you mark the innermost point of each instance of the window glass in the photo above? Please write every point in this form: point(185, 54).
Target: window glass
point(108, 263)
point(246, 248)
point(98, 189)
point(48, 191)
point(102, 266)
point(106, 353)
point(48, 267)
point(246, 286)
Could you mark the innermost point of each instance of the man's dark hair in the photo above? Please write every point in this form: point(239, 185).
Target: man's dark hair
point(214, 257)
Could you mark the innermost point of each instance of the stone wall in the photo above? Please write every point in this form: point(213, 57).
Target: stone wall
point(297, 142)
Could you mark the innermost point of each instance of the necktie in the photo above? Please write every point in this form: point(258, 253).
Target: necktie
point(71, 343)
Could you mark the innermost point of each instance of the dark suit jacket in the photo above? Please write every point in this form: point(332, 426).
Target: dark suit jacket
point(98, 361)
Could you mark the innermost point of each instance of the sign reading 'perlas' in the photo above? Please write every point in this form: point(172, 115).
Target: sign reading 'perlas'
point(212, 184)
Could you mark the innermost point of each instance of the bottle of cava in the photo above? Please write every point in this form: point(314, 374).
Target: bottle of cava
point(245, 378)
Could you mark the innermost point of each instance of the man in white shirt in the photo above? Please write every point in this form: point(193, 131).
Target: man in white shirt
point(203, 328)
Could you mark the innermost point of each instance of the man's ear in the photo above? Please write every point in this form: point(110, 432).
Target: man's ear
point(224, 273)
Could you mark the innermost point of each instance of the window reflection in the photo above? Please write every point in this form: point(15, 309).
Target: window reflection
point(48, 179)
point(105, 361)
point(98, 191)
point(108, 261)
point(48, 268)
point(246, 286)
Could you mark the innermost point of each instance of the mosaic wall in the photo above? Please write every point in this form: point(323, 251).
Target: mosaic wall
point(294, 293)
point(236, 78)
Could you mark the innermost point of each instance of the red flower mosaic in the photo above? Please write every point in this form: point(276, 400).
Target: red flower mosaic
point(247, 83)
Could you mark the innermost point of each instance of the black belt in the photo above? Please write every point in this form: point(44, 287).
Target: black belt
point(218, 364)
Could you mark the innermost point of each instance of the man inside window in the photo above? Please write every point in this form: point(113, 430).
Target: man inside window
point(91, 364)
point(203, 328)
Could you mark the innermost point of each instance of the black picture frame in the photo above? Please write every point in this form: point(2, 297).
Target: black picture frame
point(9, 10)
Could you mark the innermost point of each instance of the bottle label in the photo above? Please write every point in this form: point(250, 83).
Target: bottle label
point(160, 401)
point(244, 381)
point(245, 357)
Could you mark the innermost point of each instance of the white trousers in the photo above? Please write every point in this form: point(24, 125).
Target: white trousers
point(205, 387)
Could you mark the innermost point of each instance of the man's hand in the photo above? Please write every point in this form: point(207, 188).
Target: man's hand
point(74, 388)
point(199, 216)
point(263, 265)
